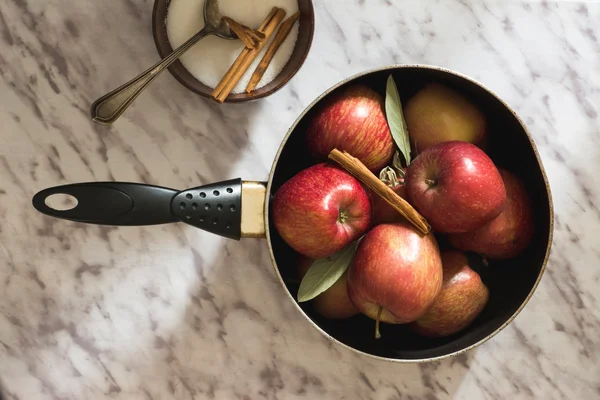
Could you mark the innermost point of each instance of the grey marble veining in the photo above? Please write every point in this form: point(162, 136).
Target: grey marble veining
point(170, 312)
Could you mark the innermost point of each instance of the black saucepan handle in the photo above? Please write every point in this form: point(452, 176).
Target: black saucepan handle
point(215, 208)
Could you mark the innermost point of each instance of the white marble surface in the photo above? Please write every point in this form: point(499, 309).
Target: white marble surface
point(171, 312)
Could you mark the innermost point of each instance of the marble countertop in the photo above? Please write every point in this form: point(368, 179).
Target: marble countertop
point(171, 312)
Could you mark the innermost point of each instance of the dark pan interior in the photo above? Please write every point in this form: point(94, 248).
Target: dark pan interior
point(510, 282)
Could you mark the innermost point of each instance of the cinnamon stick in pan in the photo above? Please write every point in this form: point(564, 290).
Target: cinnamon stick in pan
point(362, 173)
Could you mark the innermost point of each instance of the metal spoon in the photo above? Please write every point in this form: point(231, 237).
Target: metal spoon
point(109, 107)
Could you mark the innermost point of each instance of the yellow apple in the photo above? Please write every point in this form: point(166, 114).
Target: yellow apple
point(438, 113)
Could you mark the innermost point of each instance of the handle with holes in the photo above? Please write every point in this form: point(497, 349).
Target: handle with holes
point(216, 208)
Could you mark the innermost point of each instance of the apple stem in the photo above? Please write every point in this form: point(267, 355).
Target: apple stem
point(430, 182)
point(377, 334)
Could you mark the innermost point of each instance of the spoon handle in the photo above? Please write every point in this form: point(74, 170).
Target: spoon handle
point(108, 108)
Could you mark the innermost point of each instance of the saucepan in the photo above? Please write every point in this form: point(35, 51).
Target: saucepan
point(239, 209)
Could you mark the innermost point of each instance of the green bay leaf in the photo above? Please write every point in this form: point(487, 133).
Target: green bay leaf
point(395, 118)
point(324, 272)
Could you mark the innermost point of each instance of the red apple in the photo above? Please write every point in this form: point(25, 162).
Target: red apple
point(507, 235)
point(321, 210)
point(353, 120)
point(455, 186)
point(395, 274)
point(437, 113)
point(382, 211)
point(333, 303)
point(462, 298)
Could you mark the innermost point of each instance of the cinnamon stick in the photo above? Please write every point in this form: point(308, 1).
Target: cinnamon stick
point(241, 32)
point(229, 74)
point(245, 59)
point(282, 34)
point(251, 56)
point(256, 35)
point(362, 173)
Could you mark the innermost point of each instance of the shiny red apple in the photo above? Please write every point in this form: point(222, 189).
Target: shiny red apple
point(455, 186)
point(395, 274)
point(462, 298)
point(352, 120)
point(507, 235)
point(333, 303)
point(321, 210)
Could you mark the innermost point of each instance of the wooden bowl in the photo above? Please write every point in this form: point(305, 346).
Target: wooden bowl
point(303, 44)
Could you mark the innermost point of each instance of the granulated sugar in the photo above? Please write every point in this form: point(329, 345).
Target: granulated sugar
point(209, 59)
